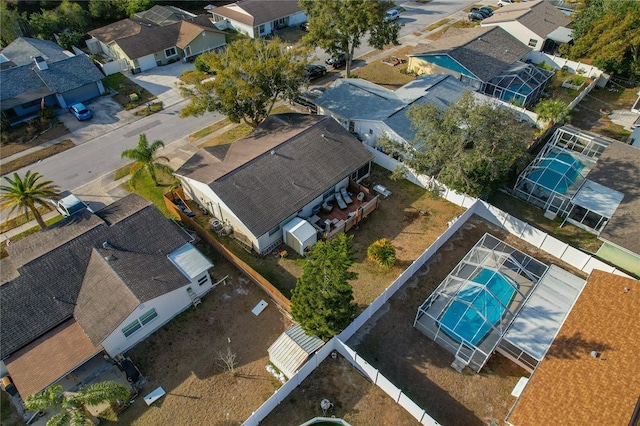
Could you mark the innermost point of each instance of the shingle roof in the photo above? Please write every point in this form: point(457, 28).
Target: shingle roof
point(485, 52)
point(70, 74)
point(619, 168)
point(18, 81)
point(539, 16)
point(121, 29)
point(53, 264)
point(284, 164)
point(49, 357)
point(157, 39)
point(258, 12)
point(23, 49)
point(571, 387)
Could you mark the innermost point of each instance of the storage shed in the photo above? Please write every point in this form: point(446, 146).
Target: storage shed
point(299, 234)
point(292, 349)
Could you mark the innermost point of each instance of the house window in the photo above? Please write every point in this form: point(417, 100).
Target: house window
point(203, 280)
point(187, 50)
point(261, 29)
point(533, 42)
point(352, 126)
point(136, 325)
point(274, 230)
point(370, 131)
point(170, 52)
point(328, 194)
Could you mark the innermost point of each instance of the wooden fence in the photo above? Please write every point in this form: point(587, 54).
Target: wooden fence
point(247, 270)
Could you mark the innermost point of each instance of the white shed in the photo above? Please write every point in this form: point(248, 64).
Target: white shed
point(299, 234)
point(292, 349)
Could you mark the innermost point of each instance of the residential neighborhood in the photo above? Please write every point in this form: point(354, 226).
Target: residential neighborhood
point(297, 212)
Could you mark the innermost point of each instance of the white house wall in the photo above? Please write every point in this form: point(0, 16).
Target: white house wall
point(167, 307)
point(519, 31)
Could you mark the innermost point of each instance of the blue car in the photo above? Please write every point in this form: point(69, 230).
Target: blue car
point(80, 111)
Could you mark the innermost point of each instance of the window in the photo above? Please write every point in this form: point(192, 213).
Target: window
point(533, 42)
point(136, 325)
point(170, 52)
point(261, 29)
point(274, 230)
point(203, 280)
point(187, 50)
point(370, 131)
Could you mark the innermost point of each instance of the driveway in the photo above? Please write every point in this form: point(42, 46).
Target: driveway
point(161, 81)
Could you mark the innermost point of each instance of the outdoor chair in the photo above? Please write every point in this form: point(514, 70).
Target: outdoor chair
point(345, 195)
point(360, 196)
point(327, 207)
point(340, 201)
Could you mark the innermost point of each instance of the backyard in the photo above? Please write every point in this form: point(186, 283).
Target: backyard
point(422, 368)
point(384, 74)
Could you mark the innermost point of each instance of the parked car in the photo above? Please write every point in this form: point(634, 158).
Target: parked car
point(314, 71)
point(487, 9)
point(338, 60)
point(475, 16)
point(484, 13)
point(505, 2)
point(80, 111)
point(391, 15)
point(69, 204)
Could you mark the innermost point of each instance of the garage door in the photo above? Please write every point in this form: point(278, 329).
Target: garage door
point(81, 94)
point(147, 62)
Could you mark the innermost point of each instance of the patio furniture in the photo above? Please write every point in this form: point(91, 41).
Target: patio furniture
point(316, 209)
point(360, 196)
point(345, 195)
point(382, 190)
point(327, 207)
point(340, 201)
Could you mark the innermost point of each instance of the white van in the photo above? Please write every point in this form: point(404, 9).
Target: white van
point(391, 15)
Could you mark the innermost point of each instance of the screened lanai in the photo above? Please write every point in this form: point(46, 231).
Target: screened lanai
point(470, 311)
point(560, 169)
point(520, 83)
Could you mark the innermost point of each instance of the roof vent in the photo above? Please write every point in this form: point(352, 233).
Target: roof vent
point(595, 354)
point(40, 63)
point(106, 245)
point(109, 258)
point(273, 152)
point(626, 290)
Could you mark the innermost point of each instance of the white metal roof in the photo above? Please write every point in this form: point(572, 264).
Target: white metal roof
point(190, 261)
point(598, 198)
point(292, 349)
point(539, 320)
point(300, 228)
point(561, 35)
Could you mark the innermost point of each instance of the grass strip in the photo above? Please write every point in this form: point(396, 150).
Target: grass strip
point(36, 156)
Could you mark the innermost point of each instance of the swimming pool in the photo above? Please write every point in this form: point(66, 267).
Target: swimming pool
point(550, 170)
point(462, 321)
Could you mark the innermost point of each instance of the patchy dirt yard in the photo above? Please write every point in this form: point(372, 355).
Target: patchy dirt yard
point(354, 399)
point(183, 358)
point(419, 366)
point(27, 135)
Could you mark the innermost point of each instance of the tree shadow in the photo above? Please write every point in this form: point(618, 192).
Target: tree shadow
point(576, 347)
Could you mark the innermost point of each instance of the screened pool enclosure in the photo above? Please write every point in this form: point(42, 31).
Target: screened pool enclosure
point(521, 84)
point(471, 310)
point(560, 169)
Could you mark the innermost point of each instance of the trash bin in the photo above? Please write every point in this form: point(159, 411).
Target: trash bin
point(133, 97)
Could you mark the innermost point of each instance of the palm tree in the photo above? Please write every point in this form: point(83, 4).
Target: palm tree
point(72, 404)
point(25, 194)
point(552, 110)
point(143, 155)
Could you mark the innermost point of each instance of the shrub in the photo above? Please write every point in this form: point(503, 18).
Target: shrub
point(47, 113)
point(545, 66)
point(382, 253)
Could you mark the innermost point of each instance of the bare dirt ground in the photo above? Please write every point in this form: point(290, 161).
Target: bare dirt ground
point(355, 399)
point(27, 135)
point(183, 358)
point(419, 366)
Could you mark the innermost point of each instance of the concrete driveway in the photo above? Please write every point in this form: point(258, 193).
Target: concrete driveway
point(161, 81)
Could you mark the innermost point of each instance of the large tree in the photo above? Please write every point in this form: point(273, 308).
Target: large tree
point(25, 194)
point(13, 23)
point(68, 16)
point(609, 33)
point(144, 158)
point(469, 147)
point(246, 80)
point(322, 301)
point(72, 404)
point(340, 25)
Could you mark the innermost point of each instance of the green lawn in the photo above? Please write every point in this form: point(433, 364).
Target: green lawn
point(125, 88)
point(144, 187)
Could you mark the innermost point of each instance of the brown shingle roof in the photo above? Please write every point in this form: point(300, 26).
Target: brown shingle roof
point(50, 357)
point(619, 168)
point(120, 29)
point(283, 165)
point(539, 16)
point(571, 387)
point(257, 12)
point(483, 51)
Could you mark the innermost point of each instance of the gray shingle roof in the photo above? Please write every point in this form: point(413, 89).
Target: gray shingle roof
point(53, 263)
point(23, 49)
point(21, 81)
point(310, 154)
point(484, 51)
point(539, 16)
point(619, 168)
point(259, 11)
point(70, 74)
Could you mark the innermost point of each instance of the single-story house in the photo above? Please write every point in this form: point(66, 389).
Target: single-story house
point(489, 60)
point(369, 111)
point(289, 165)
point(589, 375)
point(258, 18)
point(36, 72)
point(93, 283)
point(140, 45)
point(537, 24)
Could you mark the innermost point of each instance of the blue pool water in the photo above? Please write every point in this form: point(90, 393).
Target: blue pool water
point(463, 320)
point(553, 167)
